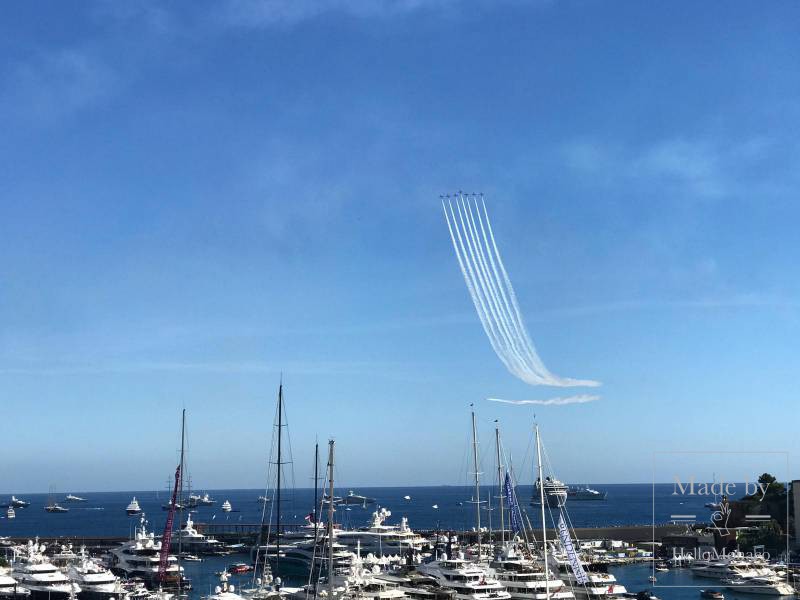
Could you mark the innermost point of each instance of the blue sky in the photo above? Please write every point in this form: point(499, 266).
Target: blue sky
point(195, 197)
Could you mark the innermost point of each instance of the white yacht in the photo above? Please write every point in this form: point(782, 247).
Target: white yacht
point(192, 541)
point(601, 586)
point(224, 591)
point(196, 500)
point(381, 539)
point(55, 507)
point(9, 588)
point(10, 513)
point(226, 506)
point(766, 586)
point(34, 572)
point(555, 492)
point(728, 569)
point(74, 498)
point(139, 557)
point(96, 582)
point(525, 580)
point(133, 508)
point(17, 503)
point(470, 581)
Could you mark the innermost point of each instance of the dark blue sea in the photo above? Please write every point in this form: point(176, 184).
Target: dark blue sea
point(104, 512)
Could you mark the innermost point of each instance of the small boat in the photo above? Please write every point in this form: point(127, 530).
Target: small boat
point(264, 499)
point(191, 557)
point(239, 568)
point(73, 498)
point(168, 506)
point(10, 514)
point(407, 498)
point(661, 567)
point(226, 506)
point(435, 506)
point(712, 594)
point(133, 508)
point(652, 579)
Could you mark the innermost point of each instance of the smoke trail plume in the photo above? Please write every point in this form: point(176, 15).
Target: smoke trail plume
point(493, 295)
point(559, 401)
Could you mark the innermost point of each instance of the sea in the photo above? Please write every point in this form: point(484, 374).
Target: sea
point(430, 508)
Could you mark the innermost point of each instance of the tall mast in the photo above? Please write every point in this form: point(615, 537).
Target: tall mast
point(330, 518)
point(500, 483)
point(544, 527)
point(278, 491)
point(316, 492)
point(477, 484)
point(180, 496)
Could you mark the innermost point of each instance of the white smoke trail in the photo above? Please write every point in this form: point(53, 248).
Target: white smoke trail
point(493, 295)
point(558, 401)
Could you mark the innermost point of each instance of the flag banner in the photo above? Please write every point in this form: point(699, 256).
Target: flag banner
point(569, 548)
point(511, 501)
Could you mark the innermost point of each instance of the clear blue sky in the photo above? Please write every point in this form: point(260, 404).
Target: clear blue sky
point(197, 196)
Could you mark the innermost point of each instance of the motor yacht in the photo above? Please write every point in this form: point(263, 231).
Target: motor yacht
point(730, 568)
point(357, 499)
point(139, 557)
point(74, 498)
point(133, 508)
point(226, 506)
point(470, 581)
point(576, 492)
point(382, 539)
point(55, 507)
point(555, 492)
point(224, 591)
point(526, 580)
point(601, 585)
point(96, 582)
point(196, 500)
point(17, 503)
point(34, 572)
point(765, 586)
point(9, 588)
point(188, 539)
point(10, 513)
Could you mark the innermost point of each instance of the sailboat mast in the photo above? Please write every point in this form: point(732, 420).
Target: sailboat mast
point(330, 518)
point(316, 492)
point(544, 525)
point(477, 483)
point(500, 484)
point(278, 491)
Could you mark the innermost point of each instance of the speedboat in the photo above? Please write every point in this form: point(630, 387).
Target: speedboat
point(55, 507)
point(133, 508)
point(407, 498)
point(226, 506)
point(10, 514)
point(239, 568)
point(73, 498)
point(41, 578)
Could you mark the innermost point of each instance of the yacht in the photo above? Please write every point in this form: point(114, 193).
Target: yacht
point(224, 591)
point(196, 500)
point(34, 572)
point(10, 513)
point(555, 492)
point(17, 503)
point(226, 506)
point(73, 498)
point(168, 506)
point(55, 507)
point(95, 581)
point(766, 586)
point(133, 508)
point(525, 580)
point(381, 539)
point(575, 492)
point(353, 498)
point(264, 499)
point(139, 557)
point(601, 585)
point(470, 581)
point(192, 541)
point(727, 569)
point(9, 588)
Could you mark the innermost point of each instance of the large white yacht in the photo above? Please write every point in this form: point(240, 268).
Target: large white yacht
point(188, 539)
point(9, 588)
point(18, 503)
point(36, 573)
point(729, 568)
point(601, 585)
point(470, 581)
point(133, 508)
point(96, 582)
point(381, 539)
point(525, 580)
point(765, 586)
point(139, 557)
